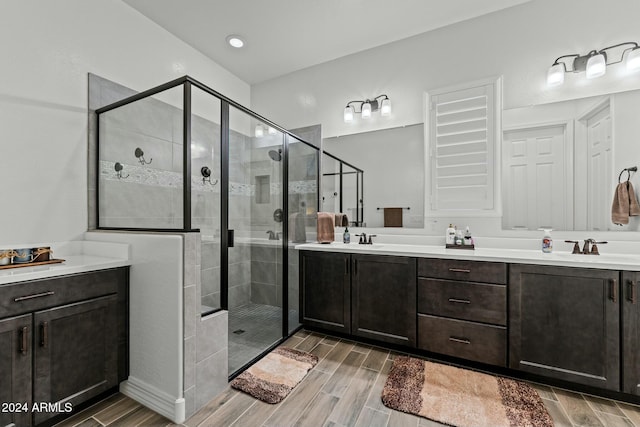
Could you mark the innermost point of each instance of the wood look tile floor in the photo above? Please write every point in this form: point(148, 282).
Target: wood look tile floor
point(342, 390)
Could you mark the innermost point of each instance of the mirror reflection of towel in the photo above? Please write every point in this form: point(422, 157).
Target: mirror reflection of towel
point(393, 217)
point(625, 204)
point(341, 220)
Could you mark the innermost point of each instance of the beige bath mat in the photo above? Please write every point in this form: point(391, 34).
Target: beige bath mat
point(273, 377)
point(460, 397)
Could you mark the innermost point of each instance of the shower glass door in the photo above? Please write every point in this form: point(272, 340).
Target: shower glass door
point(255, 243)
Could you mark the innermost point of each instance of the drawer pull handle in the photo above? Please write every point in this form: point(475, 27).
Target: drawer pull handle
point(613, 290)
point(632, 291)
point(43, 294)
point(460, 340)
point(44, 332)
point(459, 270)
point(459, 301)
point(25, 343)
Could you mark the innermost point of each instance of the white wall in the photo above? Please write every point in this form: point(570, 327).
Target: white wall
point(520, 43)
point(47, 50)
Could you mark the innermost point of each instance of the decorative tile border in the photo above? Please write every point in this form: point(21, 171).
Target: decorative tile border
point(169, 179)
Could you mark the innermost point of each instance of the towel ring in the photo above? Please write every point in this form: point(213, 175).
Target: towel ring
point(628, 170)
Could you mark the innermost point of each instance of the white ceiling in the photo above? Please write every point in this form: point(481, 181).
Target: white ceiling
point(283, 36)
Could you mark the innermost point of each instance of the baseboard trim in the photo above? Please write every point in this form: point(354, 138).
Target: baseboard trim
point(154, 399)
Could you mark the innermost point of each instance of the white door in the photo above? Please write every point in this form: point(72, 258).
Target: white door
point(599, 169)
point(534, 178)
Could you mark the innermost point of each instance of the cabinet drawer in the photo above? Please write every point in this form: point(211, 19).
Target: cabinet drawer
point(463, 339)
point(474, 271)
point(479, 302)
point(24, 297)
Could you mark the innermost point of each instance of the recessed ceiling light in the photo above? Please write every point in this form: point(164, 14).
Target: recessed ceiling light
point(235, 41)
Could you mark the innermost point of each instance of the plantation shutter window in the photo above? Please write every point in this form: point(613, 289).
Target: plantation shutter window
point(462, 141)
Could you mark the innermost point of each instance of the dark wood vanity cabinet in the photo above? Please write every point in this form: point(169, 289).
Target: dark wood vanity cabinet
point(565, 323)
point(462, 309)
point(630, 333)
point(363, 295)
point(325, 290)
point(65, 342)
point(384, 298)
point(15, 369)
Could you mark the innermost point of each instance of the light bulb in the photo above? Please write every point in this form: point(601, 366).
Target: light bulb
point(366, 110)
point(235, 41)
point(259, 132)
point(385, 107)
point(555, 75)
point(272, 131)
point(348, 114)
point(596, 66)
point(633, 60)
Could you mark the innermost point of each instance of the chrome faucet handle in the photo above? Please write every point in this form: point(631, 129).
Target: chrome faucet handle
point(576, 247)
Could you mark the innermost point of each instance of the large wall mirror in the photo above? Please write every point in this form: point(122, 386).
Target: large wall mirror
point(561, 162)
point(393, 165)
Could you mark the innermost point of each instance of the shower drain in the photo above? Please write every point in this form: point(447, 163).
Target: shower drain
point(239, 331)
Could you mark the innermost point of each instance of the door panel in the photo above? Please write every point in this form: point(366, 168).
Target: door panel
point(565, 324)
point(76, 352)
point(15, 368)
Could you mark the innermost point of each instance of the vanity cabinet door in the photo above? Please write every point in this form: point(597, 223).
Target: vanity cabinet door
point(75, 352)
point(326, 290)
point(384, 298)
point(15, 370)
point(630, 333)
point(565, 323)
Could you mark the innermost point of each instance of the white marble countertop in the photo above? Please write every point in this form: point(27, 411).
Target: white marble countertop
point(609, 261)
point(80, 257)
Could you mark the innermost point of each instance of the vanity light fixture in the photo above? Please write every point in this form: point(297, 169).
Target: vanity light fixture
point(366, 107)
point(594, 63)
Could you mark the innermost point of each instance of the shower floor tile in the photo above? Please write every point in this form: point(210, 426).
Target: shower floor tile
point(252, 329)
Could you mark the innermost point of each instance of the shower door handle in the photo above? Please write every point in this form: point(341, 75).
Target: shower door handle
point(230, 238)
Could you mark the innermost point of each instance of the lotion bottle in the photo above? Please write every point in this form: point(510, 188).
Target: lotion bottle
point(450, 235)
point(547, 241)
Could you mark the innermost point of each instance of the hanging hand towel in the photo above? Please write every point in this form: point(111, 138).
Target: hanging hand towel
point(625, 204)
point(634, 208)
point(326, 227)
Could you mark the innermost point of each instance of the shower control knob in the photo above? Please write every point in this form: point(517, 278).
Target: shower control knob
point(205, 171)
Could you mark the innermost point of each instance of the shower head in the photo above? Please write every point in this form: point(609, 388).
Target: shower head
point(275, 155)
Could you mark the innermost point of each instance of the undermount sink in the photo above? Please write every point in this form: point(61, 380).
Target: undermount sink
point(593, 258)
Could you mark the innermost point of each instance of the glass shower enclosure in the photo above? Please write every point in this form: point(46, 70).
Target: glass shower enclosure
point(183, 158)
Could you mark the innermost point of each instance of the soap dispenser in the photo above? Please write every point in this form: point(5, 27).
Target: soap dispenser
point(547, 241)
point(346, 237)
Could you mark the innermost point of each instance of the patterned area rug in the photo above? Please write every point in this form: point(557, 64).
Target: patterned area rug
point(460, 397)
point(273, 377)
